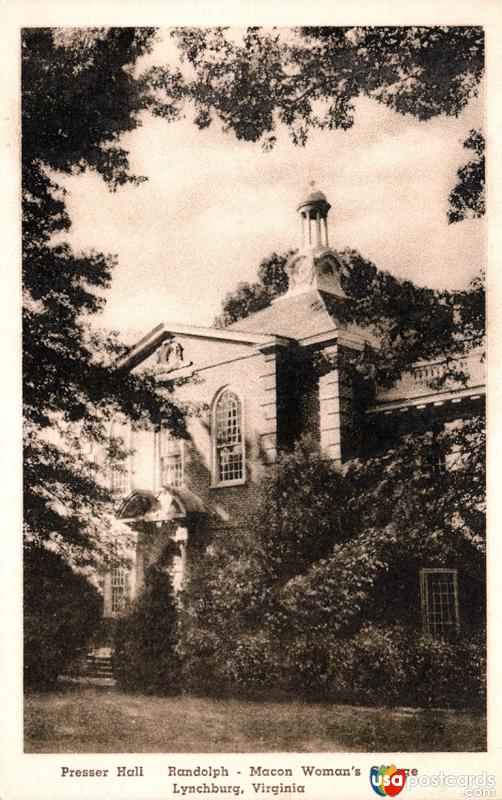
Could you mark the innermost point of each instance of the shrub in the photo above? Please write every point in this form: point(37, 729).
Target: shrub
point(202, 662)
point(304, 666)
point(61, 610)
point(370, 667)
point(474, 655)
point(449, 673)
point(374, 666)
point(145, 658)
point(253, 665)
point(300, 600)
point(393, 665)
point(242, 664)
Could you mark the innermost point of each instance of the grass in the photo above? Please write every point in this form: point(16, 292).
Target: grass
point(84, 719)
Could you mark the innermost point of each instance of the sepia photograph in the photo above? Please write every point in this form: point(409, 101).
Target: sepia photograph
point(254, 391)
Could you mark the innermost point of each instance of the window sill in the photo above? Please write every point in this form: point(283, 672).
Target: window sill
point(226, 484)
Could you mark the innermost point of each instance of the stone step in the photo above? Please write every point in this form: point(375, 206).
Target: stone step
point(99, 662)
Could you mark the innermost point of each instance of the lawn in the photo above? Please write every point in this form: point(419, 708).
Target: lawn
point(90, 719)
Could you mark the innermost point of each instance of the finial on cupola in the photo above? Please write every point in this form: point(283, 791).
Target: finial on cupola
point(313, 211)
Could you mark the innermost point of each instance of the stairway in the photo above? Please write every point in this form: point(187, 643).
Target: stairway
point(99, 663)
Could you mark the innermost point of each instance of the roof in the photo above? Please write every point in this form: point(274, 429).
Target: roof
point(299, 317)
point(417, 385)
point(314, 197)
point(151, 341)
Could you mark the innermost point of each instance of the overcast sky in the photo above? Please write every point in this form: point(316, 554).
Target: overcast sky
point(213, 207)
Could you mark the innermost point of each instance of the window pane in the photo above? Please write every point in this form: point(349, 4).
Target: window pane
point(171, 460)
point(171, 470)
point(120, 479)
point(440, 601)
point(228, 424)
point(228, 438)
point(120, 467)
point(118, 582)
point(435, 462)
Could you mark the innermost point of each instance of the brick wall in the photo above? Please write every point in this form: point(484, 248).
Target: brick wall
point(254, 379)
point(282, 398)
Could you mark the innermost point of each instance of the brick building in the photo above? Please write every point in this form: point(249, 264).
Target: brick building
point(257, 391)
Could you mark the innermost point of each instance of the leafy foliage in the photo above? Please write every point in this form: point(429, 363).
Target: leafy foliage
point(467, 199)
point(393, 665)
point(309, 78)
point(79, 96)
point(411, 323)
point(329, 556)
point(250, 297)
point(81, 91)
point(61, 610)
point(145, 658)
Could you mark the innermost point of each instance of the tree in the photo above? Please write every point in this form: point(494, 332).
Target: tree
point(145, 657)
point(79, 95)
point(61, 611)
point(412, 323)
point(467, 199)
point(308, 78)
point(81, 91)
point(250, 297)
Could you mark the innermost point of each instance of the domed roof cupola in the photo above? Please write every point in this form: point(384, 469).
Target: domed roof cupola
point(313, 211)
point(314, 266)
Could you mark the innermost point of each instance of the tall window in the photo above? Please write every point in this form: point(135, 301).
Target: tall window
point(439, 594)
point(119, 466)
point(172, 460)
point(118, 585)
point(119, 478)
point(228, 438)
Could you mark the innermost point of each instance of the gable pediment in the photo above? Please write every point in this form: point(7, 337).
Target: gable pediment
point(179, 349)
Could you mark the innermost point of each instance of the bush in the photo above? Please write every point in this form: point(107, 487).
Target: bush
point(299, 601)
point(146, 640)
point(253, 665)
point(392, 665)
point(61, 610)
point(371, 667)
point(451, 674)
point(375, 666)
point(202, 662)
point(243, 664)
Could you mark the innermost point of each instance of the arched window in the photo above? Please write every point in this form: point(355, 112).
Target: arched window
point(228, 439)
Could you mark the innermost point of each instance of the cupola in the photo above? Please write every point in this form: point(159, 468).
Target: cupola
point(314, 266)
point(313, 211)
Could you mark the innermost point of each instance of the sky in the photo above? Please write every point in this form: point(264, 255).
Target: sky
point(213, 208)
